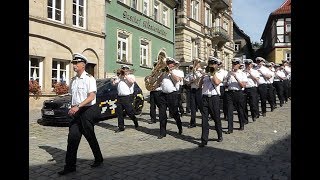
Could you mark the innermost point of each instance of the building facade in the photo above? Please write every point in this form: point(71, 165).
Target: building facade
point(138, 33)
point(277, 35)
point(204, 28)
point(59, 28)
point(242, 44)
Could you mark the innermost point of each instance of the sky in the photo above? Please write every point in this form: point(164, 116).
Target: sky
point(251, 15)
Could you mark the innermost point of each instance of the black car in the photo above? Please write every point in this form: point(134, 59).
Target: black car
point(55, 111)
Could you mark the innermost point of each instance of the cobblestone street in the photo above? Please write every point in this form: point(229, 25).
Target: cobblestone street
point(261, 151)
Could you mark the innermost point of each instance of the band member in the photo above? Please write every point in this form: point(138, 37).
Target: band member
point(168, 97)
point(251, 90)
point(222, 86)
point(83, 110)
point(287, 81)
point(187, 87)
point(236, 81)
point(278, 83)
point(262, 83)
point(271, 90)
point(209, 84)
point(154, 102)
point(125, 85)
point(195, 93)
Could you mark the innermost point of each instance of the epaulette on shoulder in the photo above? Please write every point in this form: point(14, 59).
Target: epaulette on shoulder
point(88, 74)
point(73, 78)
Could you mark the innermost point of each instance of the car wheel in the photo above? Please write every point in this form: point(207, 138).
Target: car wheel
point(138, 104)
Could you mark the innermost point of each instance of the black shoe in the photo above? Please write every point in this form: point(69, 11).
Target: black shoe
point(161, 136)
point(281, 105)
point(191, 126)
point(220, 139)
point(66, 171)
point(151, 122)
point(96, 164)
point(202, 144)
point(264, 114)
point(135, 123)
point(241, 128)
point(228, 132)
point(119, 130)
point(254, 119)
point(180, 131)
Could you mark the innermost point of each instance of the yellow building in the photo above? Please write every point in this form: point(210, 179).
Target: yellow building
point(59, 28)
point(277, 35)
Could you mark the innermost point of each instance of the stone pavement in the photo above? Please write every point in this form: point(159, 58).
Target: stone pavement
point(261, 151)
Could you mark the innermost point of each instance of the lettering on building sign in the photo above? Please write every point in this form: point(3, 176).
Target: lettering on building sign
point(146, 24)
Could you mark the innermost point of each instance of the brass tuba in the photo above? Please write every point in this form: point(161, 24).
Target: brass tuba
point(151, 81)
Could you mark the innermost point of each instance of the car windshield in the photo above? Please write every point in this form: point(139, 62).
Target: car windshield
point(105, 86)
point(102, 82)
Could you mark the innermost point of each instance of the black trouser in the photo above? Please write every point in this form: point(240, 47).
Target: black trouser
point(188, 89)
point(170, 101)
point(270, 95)
point(124, 103)
point(82, 124)
point(286, 89)
point(235, 99)
point(253, 100)
point(210, 105)
point(263, 89)
point(181, 110)
point(224, 101)
point(154, 102)
point(195, 103)
point(279, 89)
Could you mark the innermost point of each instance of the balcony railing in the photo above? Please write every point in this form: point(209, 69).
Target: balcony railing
point(221, 4)
point(219, 32)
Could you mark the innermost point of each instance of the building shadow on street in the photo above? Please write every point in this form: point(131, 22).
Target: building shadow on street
point(192, 163)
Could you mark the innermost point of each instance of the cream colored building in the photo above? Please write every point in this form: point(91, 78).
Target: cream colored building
point(204, 28)
point(59, 28)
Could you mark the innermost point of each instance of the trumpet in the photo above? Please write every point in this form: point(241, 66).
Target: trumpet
point(122, 72)
point(211, 71)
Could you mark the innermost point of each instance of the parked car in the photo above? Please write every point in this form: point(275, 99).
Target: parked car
point(55, 111)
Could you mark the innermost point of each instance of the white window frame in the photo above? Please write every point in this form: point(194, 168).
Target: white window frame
point(54, 9)
point(194, 49)
point(195, 10)
point(146, 6)
point(156, 11)
point(237, 46)
point(77, 13)
point(208, 17)
point(225, 25)
point(123, 39)
point(282, 26)
point(33, 74)
point(144, 59)
point(288, 55)
point(165, 13)
point(59, 70)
